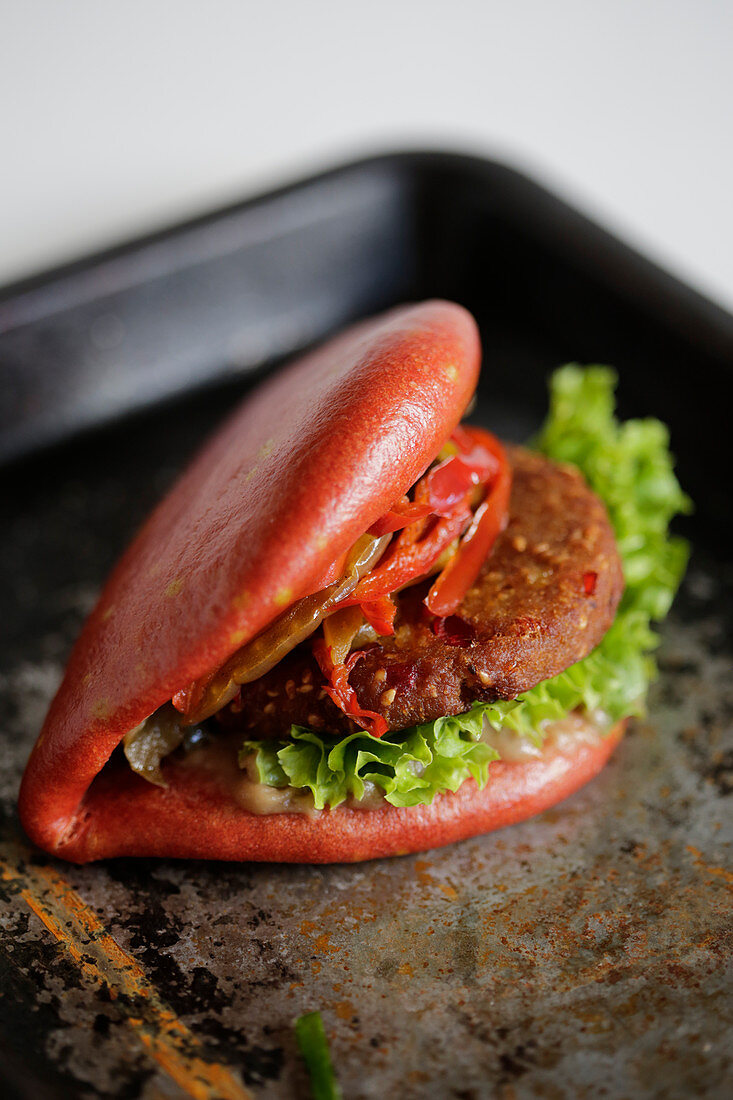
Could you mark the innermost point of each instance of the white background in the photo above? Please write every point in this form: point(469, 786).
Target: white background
point(118, 116)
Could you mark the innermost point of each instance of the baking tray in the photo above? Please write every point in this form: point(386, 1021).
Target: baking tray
point(584, 953)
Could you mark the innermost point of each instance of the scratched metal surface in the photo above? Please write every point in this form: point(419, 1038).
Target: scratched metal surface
point(586, 953)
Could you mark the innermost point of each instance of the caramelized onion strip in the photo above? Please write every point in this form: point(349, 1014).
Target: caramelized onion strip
point(257, 657)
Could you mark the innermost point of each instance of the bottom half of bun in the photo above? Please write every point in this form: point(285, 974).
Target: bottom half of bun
point(197, 817)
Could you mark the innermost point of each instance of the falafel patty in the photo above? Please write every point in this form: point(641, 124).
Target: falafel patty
point(545, 597)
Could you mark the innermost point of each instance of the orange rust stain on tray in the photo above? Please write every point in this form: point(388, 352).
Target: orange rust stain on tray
point(699, 863)
point(73, 924)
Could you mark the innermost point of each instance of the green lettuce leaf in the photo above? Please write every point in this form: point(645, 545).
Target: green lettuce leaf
point(410, 766)
point(630, 467)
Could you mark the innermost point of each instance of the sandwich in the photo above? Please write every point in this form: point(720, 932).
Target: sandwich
point(360, 626)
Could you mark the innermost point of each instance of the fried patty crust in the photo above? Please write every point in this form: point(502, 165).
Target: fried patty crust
point(545, 597)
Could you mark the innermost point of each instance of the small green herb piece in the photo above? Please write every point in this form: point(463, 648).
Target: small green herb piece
point(313, 1044)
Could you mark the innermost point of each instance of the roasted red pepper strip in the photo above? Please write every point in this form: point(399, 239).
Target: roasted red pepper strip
point(441, 491)
point(406, 561)
point(400, 515)
point(449, 482)
point(446, 491)
point(490, 519)
point(463, 437)
point(380, 614)
point(343, 693)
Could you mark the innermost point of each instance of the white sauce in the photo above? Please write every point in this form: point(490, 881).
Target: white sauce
point(561, 736)
point(219, 758)
point(258, 798)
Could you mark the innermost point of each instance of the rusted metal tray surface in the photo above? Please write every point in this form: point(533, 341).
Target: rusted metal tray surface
point(585, 953)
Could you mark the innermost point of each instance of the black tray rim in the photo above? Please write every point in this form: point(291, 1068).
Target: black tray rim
point(416, 165)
